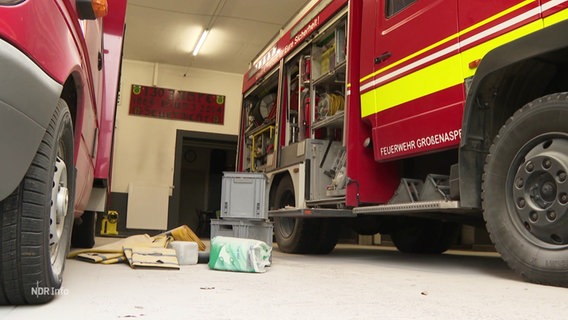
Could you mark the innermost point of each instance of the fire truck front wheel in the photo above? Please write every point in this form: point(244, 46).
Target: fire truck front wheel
point(302, 235)
point(525, 191)
point(36, 219)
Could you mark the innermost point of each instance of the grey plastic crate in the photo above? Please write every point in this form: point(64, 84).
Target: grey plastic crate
point(244, 228)
point(243, 195)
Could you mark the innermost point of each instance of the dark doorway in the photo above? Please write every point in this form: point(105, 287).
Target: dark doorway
point(201, 159)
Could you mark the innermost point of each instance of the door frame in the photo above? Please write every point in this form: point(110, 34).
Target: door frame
point(201, 137)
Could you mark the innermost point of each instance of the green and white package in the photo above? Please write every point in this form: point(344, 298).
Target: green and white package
point(236, 254)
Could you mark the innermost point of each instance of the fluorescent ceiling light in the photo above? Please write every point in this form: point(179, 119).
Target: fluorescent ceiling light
point(200, 42)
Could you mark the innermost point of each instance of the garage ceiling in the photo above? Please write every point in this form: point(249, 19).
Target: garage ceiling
point(166, 31)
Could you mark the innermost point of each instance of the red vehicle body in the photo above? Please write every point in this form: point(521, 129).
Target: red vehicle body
point(60, 63)
point(411, 118)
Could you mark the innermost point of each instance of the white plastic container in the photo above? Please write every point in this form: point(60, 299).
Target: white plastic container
point(186, 251)
point(243, 228)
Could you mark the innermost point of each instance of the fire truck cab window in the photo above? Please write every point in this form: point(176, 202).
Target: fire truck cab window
point(395, 6)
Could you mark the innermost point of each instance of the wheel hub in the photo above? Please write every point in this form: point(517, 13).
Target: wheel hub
point(59, 203)
point(287, 226)
point(540, 190)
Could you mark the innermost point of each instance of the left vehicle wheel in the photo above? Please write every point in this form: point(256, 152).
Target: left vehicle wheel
point(36, 219)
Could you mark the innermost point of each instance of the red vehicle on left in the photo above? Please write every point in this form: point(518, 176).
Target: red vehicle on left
point(60, 62)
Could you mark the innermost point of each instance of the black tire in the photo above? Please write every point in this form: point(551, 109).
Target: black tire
point(415, 235)
point(292, 235)
point(83, 235)
point(301, 235)
point(328, 235)
point(525, 191)
point(36, 219)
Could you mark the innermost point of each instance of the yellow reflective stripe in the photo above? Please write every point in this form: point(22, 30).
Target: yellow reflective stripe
point(479, 51)
point(436, 77)
point(497, 16)
point(414, 55)
point(433, 78)
point(368, 103)
point(555, 18)
point(452, 37)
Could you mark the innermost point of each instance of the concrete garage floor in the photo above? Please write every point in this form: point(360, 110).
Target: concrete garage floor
point(353, 282)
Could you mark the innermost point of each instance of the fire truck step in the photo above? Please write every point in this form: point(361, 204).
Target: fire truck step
point(414, 207)
point(435, 188)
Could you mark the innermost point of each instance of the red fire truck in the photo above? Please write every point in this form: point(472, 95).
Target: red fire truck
point(411, 118)
point(60, 63)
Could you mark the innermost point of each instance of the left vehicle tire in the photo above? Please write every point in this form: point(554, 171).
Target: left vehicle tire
point(525, 191)
point(36, 219)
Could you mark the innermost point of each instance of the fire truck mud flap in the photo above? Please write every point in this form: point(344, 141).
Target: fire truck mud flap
point(525, 191)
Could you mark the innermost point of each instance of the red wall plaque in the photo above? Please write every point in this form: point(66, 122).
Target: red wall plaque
point(176, 105)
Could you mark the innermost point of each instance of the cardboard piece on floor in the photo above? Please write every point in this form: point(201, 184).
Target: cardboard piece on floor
point(151, 257)
point(114, 252)
point(104, 258)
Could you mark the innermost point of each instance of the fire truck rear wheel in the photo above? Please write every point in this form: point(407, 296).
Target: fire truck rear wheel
point(301, 235)
point(416, 235)
point(36, 219)
point(525, 191)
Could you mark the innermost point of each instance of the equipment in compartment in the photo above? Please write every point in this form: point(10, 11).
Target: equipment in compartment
point(328, 52)
point(338, 176)
point(265, 109)
point(325, 160)
point(324, 56)
point(329, 104)
point(262, 148)
point(306, 64)
point(248, 105)
point(259, 123)
point(328, 82)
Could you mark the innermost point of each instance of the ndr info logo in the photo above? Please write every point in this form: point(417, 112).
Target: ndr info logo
point(48, 291)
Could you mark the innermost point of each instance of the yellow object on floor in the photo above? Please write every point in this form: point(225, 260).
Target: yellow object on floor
point(109, 223)
point(184, 233)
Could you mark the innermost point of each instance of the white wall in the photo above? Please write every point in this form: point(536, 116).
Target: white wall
point(144, 147)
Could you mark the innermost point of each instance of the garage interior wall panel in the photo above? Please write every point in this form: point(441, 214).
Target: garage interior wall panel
point(144, 147)
point(147, 207)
